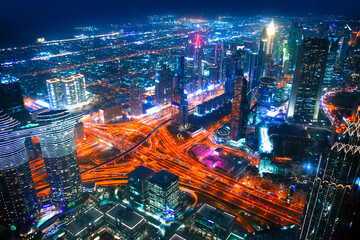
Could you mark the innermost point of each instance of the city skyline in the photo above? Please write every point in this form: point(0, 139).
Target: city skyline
point(178, 127)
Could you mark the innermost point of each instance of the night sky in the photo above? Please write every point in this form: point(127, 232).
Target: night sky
point(24, 21)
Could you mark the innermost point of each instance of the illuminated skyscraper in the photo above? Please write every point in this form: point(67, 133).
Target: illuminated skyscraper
point(18, 200)
point(270, 31)
point(306, 90)
point(198, 69)
point(136, 98)
point(57, 141)
point(179, 97)
point(261, 58)
point(295, 38)
point(55, 91)
point(74, 88)
point(163, 85)
point(239, 108)
point(219, 55)
point(11, 100)
point(165, 194)
point(331, 205)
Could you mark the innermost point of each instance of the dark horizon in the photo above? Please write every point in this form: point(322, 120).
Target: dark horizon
point(21, 22)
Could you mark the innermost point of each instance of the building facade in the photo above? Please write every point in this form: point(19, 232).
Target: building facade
point(308, 81)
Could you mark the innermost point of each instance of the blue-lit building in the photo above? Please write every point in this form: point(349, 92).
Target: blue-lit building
point(11, 100)
point(179, 101)
point(18, 200)
point(127, 223)
point(138, 186)
point(165, 195)
point(214, 221)
point(57, 141)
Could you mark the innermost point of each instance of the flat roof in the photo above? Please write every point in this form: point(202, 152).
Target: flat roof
point(177, 237)
point(233, 236)
point(127, 217)
point(53, 80)
point(83, 221)
point(216, 215)
point(163, 178)
point(141, 173)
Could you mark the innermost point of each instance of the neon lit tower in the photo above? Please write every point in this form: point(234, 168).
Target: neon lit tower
point(271, 30)
point(136, 98)
point(57, 141)
point(329, 212)
point(18, 200)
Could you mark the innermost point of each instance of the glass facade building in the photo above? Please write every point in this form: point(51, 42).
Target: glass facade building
point(18, 200)
point(307, 86)
point(164, 194)
point(58, 147)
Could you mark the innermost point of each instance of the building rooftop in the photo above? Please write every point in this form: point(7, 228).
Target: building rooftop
point(128, 218)
point(216, 215)
point(141, 173)
point(233, 236)
point(177, 237)
point(83, 221)
point(164, 178)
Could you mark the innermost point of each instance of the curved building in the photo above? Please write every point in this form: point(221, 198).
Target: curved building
point(266, 91)
point(57, 141)
point(18, 200)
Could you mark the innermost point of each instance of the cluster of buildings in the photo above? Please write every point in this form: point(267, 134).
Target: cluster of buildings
point(67, 92)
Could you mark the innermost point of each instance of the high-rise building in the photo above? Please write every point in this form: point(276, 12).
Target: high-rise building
point(261, 58)
point(163, 85)
point(138, 186)
point(74, 88)
point(55, 91)
point(179, 98)
point(270, 31)
point(229, 76)
point(306, 90)
point(18, 200)
point(197, 81)
point(57, 141)
point(219, 56)
point(136, 98)
point(295, 38)
point(165, 194)
point(11, 100)
point(239, 108)
point(331, 205)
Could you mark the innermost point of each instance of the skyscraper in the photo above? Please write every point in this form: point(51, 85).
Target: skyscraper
point(55, 91)
point(18, 200)
point(179, 98)
point(329, 211)
point(74, 88)
point(308, 81)
point(270, 31)
point(165, 194)
point(138, 186)
point(163, 85)
point(295, 38)
point(261, 59)
point(11, 100)
point(136, 98)
point(198, 76)
point(57, 141)
point(219, 56)
point(239, 108)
